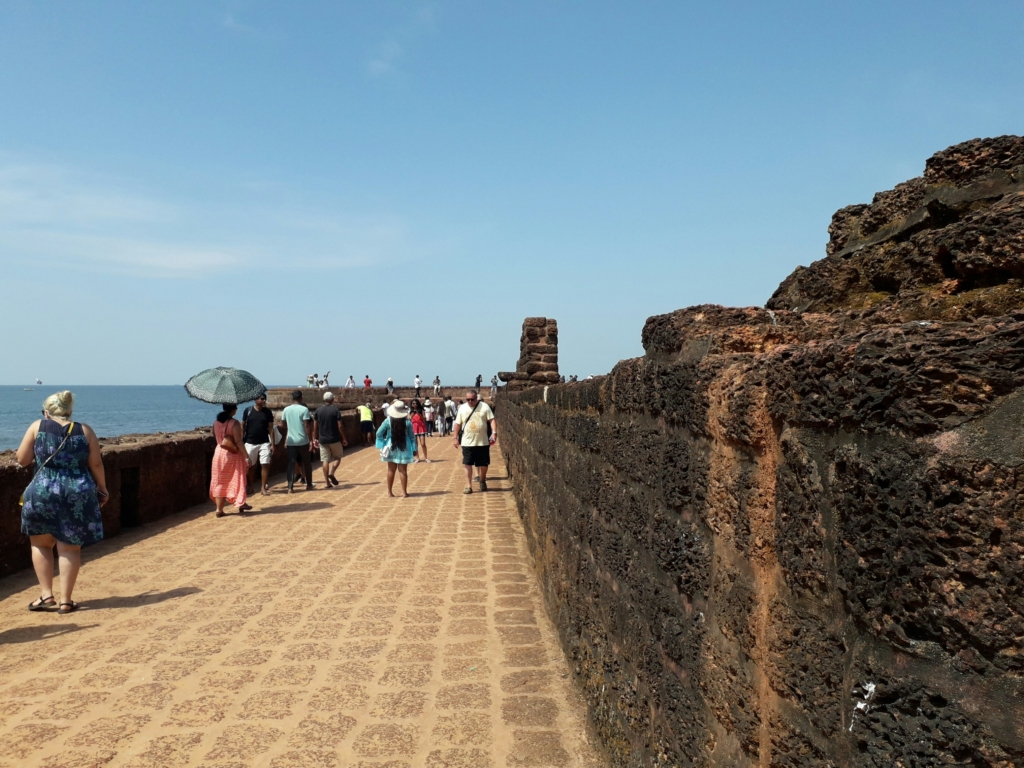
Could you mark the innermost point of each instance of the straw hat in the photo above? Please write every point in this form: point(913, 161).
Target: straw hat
point(398, 410)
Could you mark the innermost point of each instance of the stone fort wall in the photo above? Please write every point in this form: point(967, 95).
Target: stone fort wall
point(794, 536)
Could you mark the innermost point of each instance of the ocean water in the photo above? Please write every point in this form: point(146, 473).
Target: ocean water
point(109, 410)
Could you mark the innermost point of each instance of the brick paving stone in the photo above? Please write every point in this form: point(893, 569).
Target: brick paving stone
point(335, 627)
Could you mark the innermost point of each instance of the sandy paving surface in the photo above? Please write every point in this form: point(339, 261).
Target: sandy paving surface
point(330, 628)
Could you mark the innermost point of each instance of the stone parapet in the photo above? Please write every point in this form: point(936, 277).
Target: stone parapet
point(538, 355)
point(148, 476)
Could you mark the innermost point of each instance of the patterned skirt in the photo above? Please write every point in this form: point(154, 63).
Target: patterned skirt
point(227, 478)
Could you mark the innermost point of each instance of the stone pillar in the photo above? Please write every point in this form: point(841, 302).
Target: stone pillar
point(538, 355)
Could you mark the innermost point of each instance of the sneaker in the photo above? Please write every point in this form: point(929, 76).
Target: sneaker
point(467, 489)
point(310, 486)
point(483, 484)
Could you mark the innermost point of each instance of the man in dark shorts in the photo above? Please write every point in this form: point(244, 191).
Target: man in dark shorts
point(471, 424)
point(258, 437)
point(366, 422)
point(327, 431)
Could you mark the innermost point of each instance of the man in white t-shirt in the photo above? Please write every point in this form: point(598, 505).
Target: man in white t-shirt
point(471, 422)
point(418, 383)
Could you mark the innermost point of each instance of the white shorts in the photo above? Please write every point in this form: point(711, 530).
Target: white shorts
point(262, 452)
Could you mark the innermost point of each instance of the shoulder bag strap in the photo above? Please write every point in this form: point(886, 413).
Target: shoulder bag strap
point(462, 431)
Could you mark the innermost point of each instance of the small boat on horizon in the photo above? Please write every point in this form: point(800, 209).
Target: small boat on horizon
point(29, 389)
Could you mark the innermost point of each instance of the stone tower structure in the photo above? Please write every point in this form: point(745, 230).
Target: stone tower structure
point(538, 355)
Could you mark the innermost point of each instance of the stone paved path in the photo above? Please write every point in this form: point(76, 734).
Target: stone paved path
point(331, 628)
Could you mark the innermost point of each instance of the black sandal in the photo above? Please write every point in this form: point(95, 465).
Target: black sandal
point(42, 604)
point(73, 607)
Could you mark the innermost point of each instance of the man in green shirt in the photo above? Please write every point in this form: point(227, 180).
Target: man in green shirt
point(366, 422)
point(298, 428)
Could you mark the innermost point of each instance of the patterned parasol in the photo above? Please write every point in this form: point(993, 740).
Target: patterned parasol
point(224, 385)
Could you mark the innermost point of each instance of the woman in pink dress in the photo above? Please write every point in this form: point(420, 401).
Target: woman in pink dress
point(419, 430)
point(230, 463)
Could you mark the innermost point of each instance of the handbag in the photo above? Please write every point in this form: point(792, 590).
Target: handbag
point(228, 443)
point(71, 426)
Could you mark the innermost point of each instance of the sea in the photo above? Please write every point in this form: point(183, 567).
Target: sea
point(110, 410)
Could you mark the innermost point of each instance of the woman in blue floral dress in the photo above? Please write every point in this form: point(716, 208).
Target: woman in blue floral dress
point(62, 503)
point(397, 435)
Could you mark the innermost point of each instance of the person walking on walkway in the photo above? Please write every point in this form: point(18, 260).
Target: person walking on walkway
point(62, 503)
point(397, 445)
point(298, 426)
point(419, 430)
point(471, 424)
point(439, 424)
point(418, 384)
point(258, 436)
point(229, 475)
point(366, 421)
point(437, 385)
point(450, 409)
point(329, 433)
point(428, 416)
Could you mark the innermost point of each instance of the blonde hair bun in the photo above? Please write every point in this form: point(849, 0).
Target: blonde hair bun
point(60, 404)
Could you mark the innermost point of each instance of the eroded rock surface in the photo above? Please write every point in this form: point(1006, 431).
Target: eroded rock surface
point(794, 536)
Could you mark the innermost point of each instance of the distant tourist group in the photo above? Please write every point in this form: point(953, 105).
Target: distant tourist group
point(300, 430)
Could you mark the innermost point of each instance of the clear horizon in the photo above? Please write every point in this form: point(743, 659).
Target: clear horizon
point(391, 188)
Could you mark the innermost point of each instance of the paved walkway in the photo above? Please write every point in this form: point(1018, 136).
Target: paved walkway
point(328, 628)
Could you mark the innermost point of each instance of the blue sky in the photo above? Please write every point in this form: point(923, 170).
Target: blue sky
point(391, 187)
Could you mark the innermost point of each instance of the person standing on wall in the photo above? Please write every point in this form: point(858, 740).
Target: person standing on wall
point(479, 380)
point(471, 422)
point(258, 436)
point(397, 445)
point(367, 382)
point(61, 505)
point(366, 421)
point(298, 426)
point(494, 385)
point(351, 383)
point(417, 383)
point(437, 385)
point(329, 433)
point(390, 385)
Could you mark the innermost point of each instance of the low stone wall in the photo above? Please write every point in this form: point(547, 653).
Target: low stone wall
point(766, 548)
point(148, 476)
